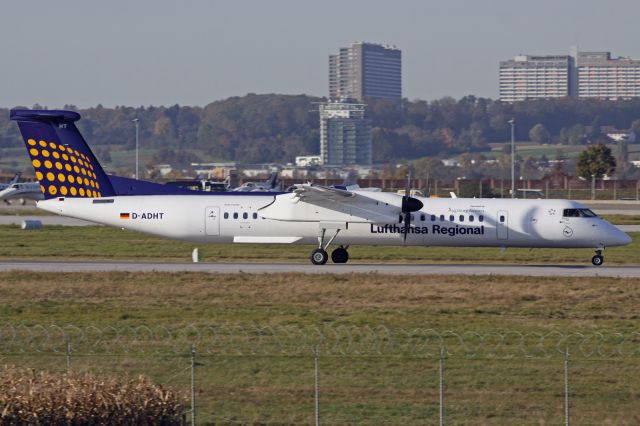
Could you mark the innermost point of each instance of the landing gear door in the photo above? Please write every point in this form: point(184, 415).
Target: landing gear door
point(212, 221)
point(502, 225)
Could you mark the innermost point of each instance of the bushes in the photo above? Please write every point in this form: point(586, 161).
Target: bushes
point(30, 397)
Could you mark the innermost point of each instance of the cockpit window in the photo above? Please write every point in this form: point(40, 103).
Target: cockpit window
point(578, 213)
point(587, 213)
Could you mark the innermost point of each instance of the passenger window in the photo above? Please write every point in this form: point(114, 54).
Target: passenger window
point(423, 217)
point(433, 218)
point(245, 215)
point(461, 218)
point(226, 215)
point(413, 218)
point(481, 218)
point(441, 218)
point(451, 218)
point(470, 218)
point(501, 219)
point(235, 215)
point(255, 215)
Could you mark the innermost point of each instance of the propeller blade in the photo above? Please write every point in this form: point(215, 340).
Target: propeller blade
point(407, 225)
point(407, 188)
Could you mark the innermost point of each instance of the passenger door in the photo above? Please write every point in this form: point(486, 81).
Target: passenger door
point(212, 221)
point(502, 225)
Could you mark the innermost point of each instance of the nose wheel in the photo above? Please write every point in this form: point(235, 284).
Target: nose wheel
point(598, 259)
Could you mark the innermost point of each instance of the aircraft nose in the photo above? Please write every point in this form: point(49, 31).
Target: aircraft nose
point(624, 239)
point(618, 237)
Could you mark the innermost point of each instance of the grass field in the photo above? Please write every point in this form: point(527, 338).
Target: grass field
point(96, 242)
point(237, 384)
point(247, 388)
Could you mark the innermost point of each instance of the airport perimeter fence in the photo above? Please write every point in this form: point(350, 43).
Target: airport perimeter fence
point(334, 374)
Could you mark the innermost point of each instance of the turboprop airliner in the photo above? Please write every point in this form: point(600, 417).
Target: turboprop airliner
point(74, 184)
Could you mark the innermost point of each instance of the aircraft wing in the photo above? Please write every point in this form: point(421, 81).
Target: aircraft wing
point(317, 203)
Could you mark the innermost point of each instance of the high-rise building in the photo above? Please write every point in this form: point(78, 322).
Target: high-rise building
point(536, 77)
point(583, 75)
point(603, 77)
point(366, 70)
point(345, 134)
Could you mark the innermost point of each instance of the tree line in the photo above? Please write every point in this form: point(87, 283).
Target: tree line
point(276, 128)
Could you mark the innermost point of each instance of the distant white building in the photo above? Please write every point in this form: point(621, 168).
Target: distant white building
point(603, 77)
point(536, 77)
point(308, 160)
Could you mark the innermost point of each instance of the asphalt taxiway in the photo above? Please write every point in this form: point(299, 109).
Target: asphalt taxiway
point(387, 269)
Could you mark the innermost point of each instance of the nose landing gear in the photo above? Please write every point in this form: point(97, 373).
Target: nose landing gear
point(598, 259)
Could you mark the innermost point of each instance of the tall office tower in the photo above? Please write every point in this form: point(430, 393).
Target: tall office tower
point(366, 70)
point(345, 134)
point(536, 77)
point(603, 77)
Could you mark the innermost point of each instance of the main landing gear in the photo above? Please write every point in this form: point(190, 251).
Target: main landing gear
point(319, 256)
point(598, 259)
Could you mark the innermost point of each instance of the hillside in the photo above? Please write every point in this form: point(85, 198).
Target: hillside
point(276, 128)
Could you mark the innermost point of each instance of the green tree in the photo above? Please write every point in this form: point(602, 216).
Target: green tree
point(577, 135)
point(595, 135)
point(539, 134)
point(595, 160)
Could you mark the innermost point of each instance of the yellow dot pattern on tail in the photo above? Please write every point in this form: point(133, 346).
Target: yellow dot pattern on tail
point(79, 177)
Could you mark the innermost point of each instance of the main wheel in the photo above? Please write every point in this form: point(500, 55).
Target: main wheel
point(340, 255)
point(319, 257)
point(597, 260)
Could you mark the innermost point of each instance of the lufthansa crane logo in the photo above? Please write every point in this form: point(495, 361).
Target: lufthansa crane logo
point(567, 232)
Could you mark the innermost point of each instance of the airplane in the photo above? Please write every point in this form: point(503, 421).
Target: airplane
point(13, 180)
point(269, 185)
point(22, 190)
point(75, 185)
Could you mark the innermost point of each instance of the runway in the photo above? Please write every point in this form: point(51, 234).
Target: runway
point(387, 269)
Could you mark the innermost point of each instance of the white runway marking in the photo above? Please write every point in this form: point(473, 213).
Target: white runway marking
point(390, 269)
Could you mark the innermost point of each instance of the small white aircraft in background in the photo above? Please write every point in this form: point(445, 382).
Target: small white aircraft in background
point(13, 180)
point(20, 190)
point(74, 184)
point(269, 185)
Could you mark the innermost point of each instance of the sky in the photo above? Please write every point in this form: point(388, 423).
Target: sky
point(160, 52)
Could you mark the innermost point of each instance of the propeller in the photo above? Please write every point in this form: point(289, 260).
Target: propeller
point(409, 205)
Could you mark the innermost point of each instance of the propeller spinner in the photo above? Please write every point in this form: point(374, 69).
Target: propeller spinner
point(409, 205)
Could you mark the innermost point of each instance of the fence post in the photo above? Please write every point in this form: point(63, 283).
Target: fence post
point(317, 385)
point(193, 384)
point(68, 355)
point(441, 374)
point(566, 387)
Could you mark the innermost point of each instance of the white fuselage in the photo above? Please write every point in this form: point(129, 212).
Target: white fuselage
point(471, 222)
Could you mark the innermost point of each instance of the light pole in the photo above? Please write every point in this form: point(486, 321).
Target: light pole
point(513, 158)
point(137, 122)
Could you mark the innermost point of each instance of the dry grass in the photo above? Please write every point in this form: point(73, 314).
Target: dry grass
point(357, 389)
point(30, 397)
point(452, 302)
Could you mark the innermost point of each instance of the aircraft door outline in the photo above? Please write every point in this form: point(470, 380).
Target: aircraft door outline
point(502, 225)
point(212, 221)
